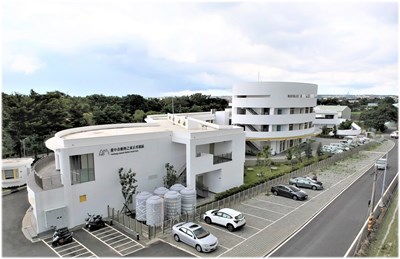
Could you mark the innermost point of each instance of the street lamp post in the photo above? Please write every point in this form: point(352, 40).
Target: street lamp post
point(384, 176)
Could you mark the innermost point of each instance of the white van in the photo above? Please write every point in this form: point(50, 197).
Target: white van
point(381, 163)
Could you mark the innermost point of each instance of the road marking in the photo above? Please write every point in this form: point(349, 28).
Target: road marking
point(262, 208)
point(251, 215)
point(74, 240)
point(291, 207)
point(247, 225)
point(223, 246)
point(224, 230)
point(120, 234)
point(180, 248)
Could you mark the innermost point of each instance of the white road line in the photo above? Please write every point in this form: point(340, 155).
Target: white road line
point(224, 230)
point(129, 247)
point(247, 225)
point(107, 235)
point(251, 215)
point(123, 244)
point(223, 246)
point(81, 254)
point(86, 248)
point(106, 240)
point(73, 252)
point(117, 241)
point(121, 234)
point(180, 248)
point(104, 232)
point(291, 207)
point(67, 247)
point(102, 229)
point(262, 208)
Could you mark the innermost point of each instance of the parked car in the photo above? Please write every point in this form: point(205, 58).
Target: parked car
point(229, 218)
point(289, 191)
point(194, 235)
point(314, 178)
point(394, 134)
point(305, 182)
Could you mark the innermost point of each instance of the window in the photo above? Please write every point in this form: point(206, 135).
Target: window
point(278, 127)
point(306, 125)
point(9, 174)
point(310, 124)
point(279, 111)
point(306, 110)
point(290, 127)
point(266, 111)
point(291, 110)
point(265, 128)
point(82, 168)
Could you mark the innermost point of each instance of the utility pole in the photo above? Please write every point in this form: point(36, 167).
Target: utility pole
point(371, 217)
point(384, 176)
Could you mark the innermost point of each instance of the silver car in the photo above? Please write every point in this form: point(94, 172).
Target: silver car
point(194, 235)
point(306, 182)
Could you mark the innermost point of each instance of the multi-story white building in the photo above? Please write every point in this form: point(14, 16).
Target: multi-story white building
point(82, 175)
point(15, 171)
point(278, 114)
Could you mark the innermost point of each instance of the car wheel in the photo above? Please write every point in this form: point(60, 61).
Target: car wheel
point(208, 220)
point(176, 237)
point(295, 184)
point(230, 227)
point(294, 197)
point(198, 248)
point(275, 193)
point(314, 188)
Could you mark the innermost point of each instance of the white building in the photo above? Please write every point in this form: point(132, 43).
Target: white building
point(332, 115)
point(82, 175)
point(278, 114)
point(15, 171)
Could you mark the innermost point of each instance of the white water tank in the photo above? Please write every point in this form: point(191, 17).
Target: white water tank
point(188, 200)
point(160, 191)
point(154, 211)
point(172, 200)
point(140, 199)
point(177, 187)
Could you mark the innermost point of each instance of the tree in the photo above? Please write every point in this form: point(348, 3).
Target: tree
point(127, 181)
point(170, 178)
point(344, 125)
point(289, 155)
point(139, 116)
point(319, 149)
point(378, 116)
point(308, 150)
point(297, 153)
point(266, 155)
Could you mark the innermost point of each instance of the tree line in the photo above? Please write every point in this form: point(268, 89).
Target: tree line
point(29, 120)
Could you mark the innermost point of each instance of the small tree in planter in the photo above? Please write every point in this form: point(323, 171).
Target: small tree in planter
point(319, 150)
point(127, 181)
point(289, 156)
point(308, 150)
point(171, 177)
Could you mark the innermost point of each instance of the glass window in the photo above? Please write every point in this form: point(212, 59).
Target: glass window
point(8, 174)
point(82, 168)
point(290, 127)
point(278, 127)
point(291, 110)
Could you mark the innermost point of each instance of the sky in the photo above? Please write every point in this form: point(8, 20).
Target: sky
point(155, 49)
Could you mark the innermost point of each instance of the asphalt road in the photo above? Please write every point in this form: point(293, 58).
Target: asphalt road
point(331, 233)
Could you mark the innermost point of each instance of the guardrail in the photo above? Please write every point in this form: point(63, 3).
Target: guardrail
point(51, 181)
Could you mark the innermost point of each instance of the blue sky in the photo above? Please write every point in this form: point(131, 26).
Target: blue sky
point(174, 48)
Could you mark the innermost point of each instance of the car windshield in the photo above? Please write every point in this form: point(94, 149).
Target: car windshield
point(201, 233)
point(294, 188)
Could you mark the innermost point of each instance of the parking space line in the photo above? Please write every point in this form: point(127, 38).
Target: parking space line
point(117, 241)
point(101, 229)
point(106, 235)
point(104, 232)
point(247, 225)
point(106, 240)
point(262, 208)
point(291, 207)
point(80, 255)
point(68, 247)
point(224, 230)
point(122, 244)
point(127, 248)
point(180, 248)
point(48, 243)
point(120, 234)
point(223, 247)
point(257, 217)
point(73, 252)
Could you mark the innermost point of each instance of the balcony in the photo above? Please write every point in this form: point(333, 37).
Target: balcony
point(45, 173)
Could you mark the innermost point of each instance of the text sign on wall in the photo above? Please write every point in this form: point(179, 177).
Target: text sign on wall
point(120, 150)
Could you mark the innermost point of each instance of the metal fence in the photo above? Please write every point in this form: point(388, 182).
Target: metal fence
point(151, 232)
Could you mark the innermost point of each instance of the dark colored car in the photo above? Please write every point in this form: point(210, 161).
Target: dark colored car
point(289, 191)
point(306, 182)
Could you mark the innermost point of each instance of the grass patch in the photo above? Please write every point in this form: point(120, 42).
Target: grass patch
point(390, 245)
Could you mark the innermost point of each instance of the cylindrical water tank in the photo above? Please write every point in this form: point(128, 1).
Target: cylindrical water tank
point(160, 191)
point(154, 211)
point(172, 200)
point(177, 187)
point(188, 200)
point(141, 198)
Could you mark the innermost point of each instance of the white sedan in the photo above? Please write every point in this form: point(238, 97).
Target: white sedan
point(229, 218)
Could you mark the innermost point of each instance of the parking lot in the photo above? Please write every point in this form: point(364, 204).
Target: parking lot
point(73, 249)
point(267, 214)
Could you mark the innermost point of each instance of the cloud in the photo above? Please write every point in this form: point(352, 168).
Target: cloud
point(178, 46)
point(24, 64)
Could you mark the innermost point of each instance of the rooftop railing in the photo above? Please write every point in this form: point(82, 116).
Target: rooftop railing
point(45, 173)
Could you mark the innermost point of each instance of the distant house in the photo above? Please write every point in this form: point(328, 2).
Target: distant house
point(332, 115)
point(15, 171)
point(371, 105)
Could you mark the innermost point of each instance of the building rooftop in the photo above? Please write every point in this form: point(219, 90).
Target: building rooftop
point(15, 162)
point(332, 108)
